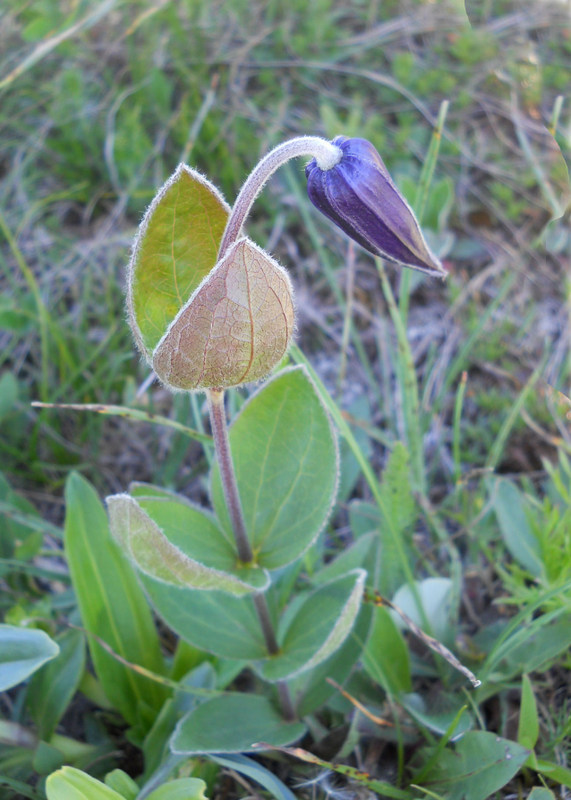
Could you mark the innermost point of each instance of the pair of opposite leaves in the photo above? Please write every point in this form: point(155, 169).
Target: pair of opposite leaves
point(203, 322)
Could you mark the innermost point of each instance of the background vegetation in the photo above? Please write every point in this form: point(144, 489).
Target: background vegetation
point(98, 104)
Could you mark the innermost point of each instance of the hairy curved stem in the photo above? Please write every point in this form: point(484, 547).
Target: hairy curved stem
point(326, 154)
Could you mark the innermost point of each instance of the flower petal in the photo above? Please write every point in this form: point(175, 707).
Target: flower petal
point(359, 196)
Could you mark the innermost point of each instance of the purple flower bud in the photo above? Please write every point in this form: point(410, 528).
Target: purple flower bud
point(359, 196)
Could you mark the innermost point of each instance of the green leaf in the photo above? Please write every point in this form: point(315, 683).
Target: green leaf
point(533, 645)
point(112, 604)
point(29, 548)
point(386, 658)
point(312, 688)
point(363, 518)
point(17, 315)
point(213, 621)
point(454, 727)
point(140, 490)
point(319, 627)
point(229, 627)
point(399, 505)
point(358, 410)
point(441, 715)
point(250, 768)
point(50, 690)
point(540, 793)
point(22, 789)
point(15, 511)
point(176, 247)
point(391, 519)
point(22, 652)
point(233, 723)
point(8, 394)
point(121, 783)
point(555, 772)
point(47, 758)
point(155, 746)
point(69, 783)
point(528, 726)
point(480, 764)
point(175, 542)
point(361, 553)
point(286, 460)
point(180, 789)
point(435, 596)
point(510, 505)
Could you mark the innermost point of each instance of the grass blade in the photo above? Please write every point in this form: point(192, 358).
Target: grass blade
point(130, 413)
point(112, 604)
point(45, 48)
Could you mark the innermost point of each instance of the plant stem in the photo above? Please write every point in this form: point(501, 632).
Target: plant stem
point(285, 700)
point(227, 474)
point(261, 605)
point(326, 154)
point(243, 546)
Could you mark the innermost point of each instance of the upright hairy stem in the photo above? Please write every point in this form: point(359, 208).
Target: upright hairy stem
point(245, 554)
point(227, 474)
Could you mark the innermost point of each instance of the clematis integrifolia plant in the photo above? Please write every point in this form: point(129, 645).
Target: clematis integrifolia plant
point(210, 310)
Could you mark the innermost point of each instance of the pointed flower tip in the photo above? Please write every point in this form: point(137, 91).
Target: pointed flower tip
point(360, 197)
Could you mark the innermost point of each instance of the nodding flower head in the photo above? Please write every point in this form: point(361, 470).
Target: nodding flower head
point(359, 196)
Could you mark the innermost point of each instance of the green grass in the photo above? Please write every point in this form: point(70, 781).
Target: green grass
point(98, 104)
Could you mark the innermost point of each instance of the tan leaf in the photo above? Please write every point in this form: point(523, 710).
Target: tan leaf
point(234, 329)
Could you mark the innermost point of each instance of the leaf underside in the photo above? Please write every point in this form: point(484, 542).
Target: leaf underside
point(234, 329)
point(177, 543)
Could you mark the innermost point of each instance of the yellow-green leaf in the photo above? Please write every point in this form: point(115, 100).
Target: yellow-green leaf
point(176, 247)
point(69, 783)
